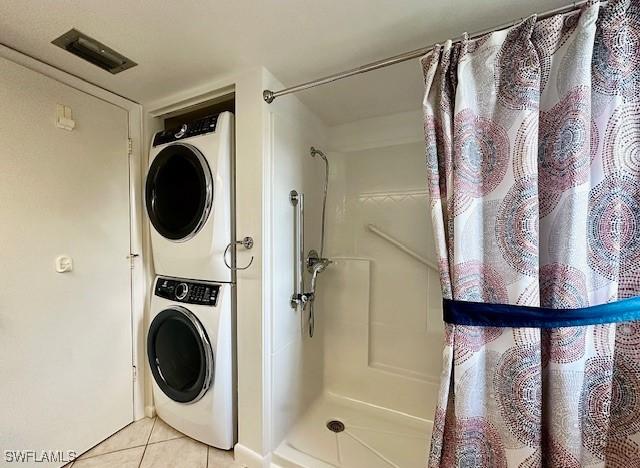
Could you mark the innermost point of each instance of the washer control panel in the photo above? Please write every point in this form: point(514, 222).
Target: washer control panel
point(189, 129)
point(189, 292)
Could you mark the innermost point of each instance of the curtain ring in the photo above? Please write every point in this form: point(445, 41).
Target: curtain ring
point(247, 243)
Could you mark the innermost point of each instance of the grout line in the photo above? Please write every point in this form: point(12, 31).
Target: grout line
point(109, 452)
point(145, 445)
point(148, 439)
point(167, 440)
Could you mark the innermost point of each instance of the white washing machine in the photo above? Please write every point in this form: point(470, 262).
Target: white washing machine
point(188, 195)
point(190, 351)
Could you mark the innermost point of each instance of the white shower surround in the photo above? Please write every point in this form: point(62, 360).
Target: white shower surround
point(378, 374)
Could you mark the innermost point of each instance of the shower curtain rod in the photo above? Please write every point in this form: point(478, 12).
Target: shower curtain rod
point(269, 96)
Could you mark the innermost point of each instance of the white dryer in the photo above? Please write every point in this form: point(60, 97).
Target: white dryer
point(190, 353)
point(188, 195)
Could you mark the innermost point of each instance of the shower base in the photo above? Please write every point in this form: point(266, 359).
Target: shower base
point(371, 437)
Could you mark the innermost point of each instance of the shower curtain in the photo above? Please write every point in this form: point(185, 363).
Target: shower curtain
point(533, 162)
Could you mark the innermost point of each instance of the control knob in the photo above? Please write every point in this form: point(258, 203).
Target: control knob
point(182, 289)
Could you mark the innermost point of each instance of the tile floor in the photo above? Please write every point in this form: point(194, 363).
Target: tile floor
point(149, 443)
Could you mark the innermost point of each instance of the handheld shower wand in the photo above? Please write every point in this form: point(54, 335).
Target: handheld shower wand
point(316, 263)
point(316, 152)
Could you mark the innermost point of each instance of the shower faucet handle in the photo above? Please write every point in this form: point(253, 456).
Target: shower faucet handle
point(313, 259)
point(301, 299)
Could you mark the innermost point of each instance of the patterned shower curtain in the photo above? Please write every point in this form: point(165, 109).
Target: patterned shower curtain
point(533, 155)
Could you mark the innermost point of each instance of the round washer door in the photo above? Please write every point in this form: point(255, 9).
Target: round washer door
point(179, 192)
point(180, 355)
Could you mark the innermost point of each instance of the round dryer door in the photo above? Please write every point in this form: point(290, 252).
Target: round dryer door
point(179, 192)
point(180, 355)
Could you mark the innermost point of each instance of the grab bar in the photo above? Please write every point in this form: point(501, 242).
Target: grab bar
point(402, 247)
point(297, 200)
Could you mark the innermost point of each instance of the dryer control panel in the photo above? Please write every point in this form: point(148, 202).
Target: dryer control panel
point(190, 129)
point(188, 292)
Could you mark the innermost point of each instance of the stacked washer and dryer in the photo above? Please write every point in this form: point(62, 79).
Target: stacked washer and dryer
point(191, 334)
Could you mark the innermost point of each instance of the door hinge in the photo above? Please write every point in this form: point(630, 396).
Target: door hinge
point(129, 146)
point(131, 258)
point(135, 373)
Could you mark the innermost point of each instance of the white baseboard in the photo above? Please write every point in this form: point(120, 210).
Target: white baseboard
point(150, 411)
point(247, 457)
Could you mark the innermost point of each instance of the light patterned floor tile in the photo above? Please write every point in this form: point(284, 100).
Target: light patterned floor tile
point(162, 431)
point(153, 443)
point(221, 459)
point(135, 434)
point(183, 453)
point(129, 458)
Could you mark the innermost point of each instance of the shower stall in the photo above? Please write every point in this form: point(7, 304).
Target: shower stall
point(361, 391)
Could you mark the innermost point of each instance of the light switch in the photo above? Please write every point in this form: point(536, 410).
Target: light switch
point(64, 264)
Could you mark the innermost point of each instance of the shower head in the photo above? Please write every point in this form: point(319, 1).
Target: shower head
point(318, 267)
point(316, 152)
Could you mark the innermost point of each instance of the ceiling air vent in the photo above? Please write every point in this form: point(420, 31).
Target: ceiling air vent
point(93, 51)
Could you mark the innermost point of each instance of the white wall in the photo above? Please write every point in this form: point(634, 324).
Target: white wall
point(296, 359)
point(252, 308)
point(379, 306)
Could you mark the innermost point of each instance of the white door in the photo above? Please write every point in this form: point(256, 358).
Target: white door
point(65, 338)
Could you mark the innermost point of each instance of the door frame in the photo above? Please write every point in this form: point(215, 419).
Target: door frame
point(137, 222)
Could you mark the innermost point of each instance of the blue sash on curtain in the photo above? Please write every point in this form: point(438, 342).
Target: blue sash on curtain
point(515, 316)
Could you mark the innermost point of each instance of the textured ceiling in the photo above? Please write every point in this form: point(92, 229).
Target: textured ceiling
point(182, 44)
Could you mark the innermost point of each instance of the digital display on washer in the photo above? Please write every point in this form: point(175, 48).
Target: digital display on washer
point(190, 129)
point(188, 292)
